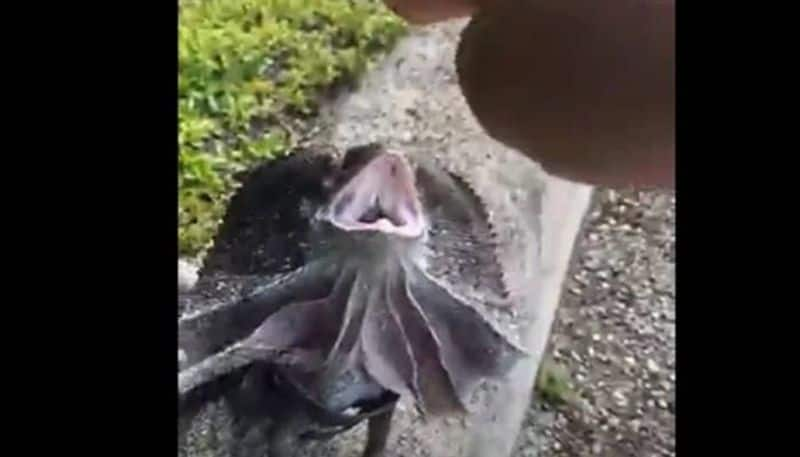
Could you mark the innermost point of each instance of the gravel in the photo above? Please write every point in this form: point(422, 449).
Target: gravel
point(615, 335)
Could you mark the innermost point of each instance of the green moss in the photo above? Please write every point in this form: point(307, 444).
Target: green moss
point(242, 64)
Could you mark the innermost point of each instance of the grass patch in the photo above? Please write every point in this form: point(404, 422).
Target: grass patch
point(243, 64)
point(552, 384)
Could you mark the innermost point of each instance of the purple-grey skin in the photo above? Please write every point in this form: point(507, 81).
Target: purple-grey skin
point(329, 295)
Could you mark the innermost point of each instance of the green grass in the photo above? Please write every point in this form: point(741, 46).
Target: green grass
point(245, 64)
point(552, 383)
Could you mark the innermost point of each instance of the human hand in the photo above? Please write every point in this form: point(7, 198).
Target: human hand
point(428, 11)
point(585, 88)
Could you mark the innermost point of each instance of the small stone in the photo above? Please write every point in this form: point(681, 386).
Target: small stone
point(662, 403)
point(630, 360)
point(652, 367)
point(597, 448)
point(619, 398)
point(187, 275)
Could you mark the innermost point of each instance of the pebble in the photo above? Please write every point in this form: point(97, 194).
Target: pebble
point(187, 275)
point(619, 398)
point(635, 424)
